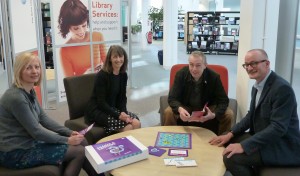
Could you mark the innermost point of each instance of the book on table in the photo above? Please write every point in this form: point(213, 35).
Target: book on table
point(115, 153)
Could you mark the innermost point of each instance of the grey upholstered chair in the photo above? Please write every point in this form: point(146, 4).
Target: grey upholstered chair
point(46, 170)
point(78, 91)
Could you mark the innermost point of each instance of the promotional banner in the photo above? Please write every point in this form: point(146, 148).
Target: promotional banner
point(106, 16)
point(82, 32)
point(23, 25)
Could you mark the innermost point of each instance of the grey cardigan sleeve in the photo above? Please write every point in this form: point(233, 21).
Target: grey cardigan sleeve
point(34, 121)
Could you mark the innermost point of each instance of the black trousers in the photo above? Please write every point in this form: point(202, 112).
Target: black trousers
point(242, 164)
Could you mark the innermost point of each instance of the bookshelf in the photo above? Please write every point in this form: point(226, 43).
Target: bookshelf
point(47, 35)
point(213, 32)
point(181, 19)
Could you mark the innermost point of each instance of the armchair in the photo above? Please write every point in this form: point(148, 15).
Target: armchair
point(224, 78)
point(78, 91)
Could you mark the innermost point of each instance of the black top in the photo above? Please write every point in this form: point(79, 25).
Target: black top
point(210, 88)
point(115, 89)
point(106, 96)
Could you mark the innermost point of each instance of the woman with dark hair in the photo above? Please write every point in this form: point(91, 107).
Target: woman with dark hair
point(107, 106)
point(28, 137)
point(73, 23)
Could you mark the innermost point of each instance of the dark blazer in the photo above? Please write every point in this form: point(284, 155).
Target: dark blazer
point(102, 93)
point(212, 91)
point(273, 124)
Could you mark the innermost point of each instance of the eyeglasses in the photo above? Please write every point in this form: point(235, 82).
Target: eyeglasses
point(252, 64)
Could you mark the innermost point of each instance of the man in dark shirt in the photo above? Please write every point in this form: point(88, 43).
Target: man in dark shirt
point(197, 88)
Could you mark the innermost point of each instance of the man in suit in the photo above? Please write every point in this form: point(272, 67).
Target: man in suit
point(273, 138)
point(198, 88)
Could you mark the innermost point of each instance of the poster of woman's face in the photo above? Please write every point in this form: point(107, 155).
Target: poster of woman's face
point(73, 20)
point(70, 20)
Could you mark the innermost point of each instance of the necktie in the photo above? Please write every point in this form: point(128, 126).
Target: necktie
point(258, 93)
point(253, 100)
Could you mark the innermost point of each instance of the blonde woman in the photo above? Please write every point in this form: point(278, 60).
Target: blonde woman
point(28, 137)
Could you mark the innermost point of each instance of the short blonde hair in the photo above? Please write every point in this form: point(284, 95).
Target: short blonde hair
point(20, 63)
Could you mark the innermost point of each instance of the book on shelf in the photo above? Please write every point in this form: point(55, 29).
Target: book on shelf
point(195, 20)
point(233, 31)
point(229, 32)
point(200, 28)
point(226, 46)
point(180, 19)
point(225, 30)
point(180, 26)
point(181, 34)
point(205, 32)
point(115, 153)
point(235, 45)
point(210, 38)
point(216, 31)
point(231, 20)
point(195, 31)
point(204, 20)
point(217, 45)
point(194, 45)
point(222, 20)
point(222, 46)
point(203, 44)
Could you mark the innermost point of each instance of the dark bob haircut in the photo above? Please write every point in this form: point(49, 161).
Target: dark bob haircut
point(72, 13)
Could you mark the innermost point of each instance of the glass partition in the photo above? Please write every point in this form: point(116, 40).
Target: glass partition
point(3, 70)
point(3, 64)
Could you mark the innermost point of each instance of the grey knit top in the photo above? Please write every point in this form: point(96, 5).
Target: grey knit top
point(23, 122)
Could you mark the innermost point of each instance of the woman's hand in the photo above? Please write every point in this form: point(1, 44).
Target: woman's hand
point(124, 117)
point(74, 133)
point(75, 139)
